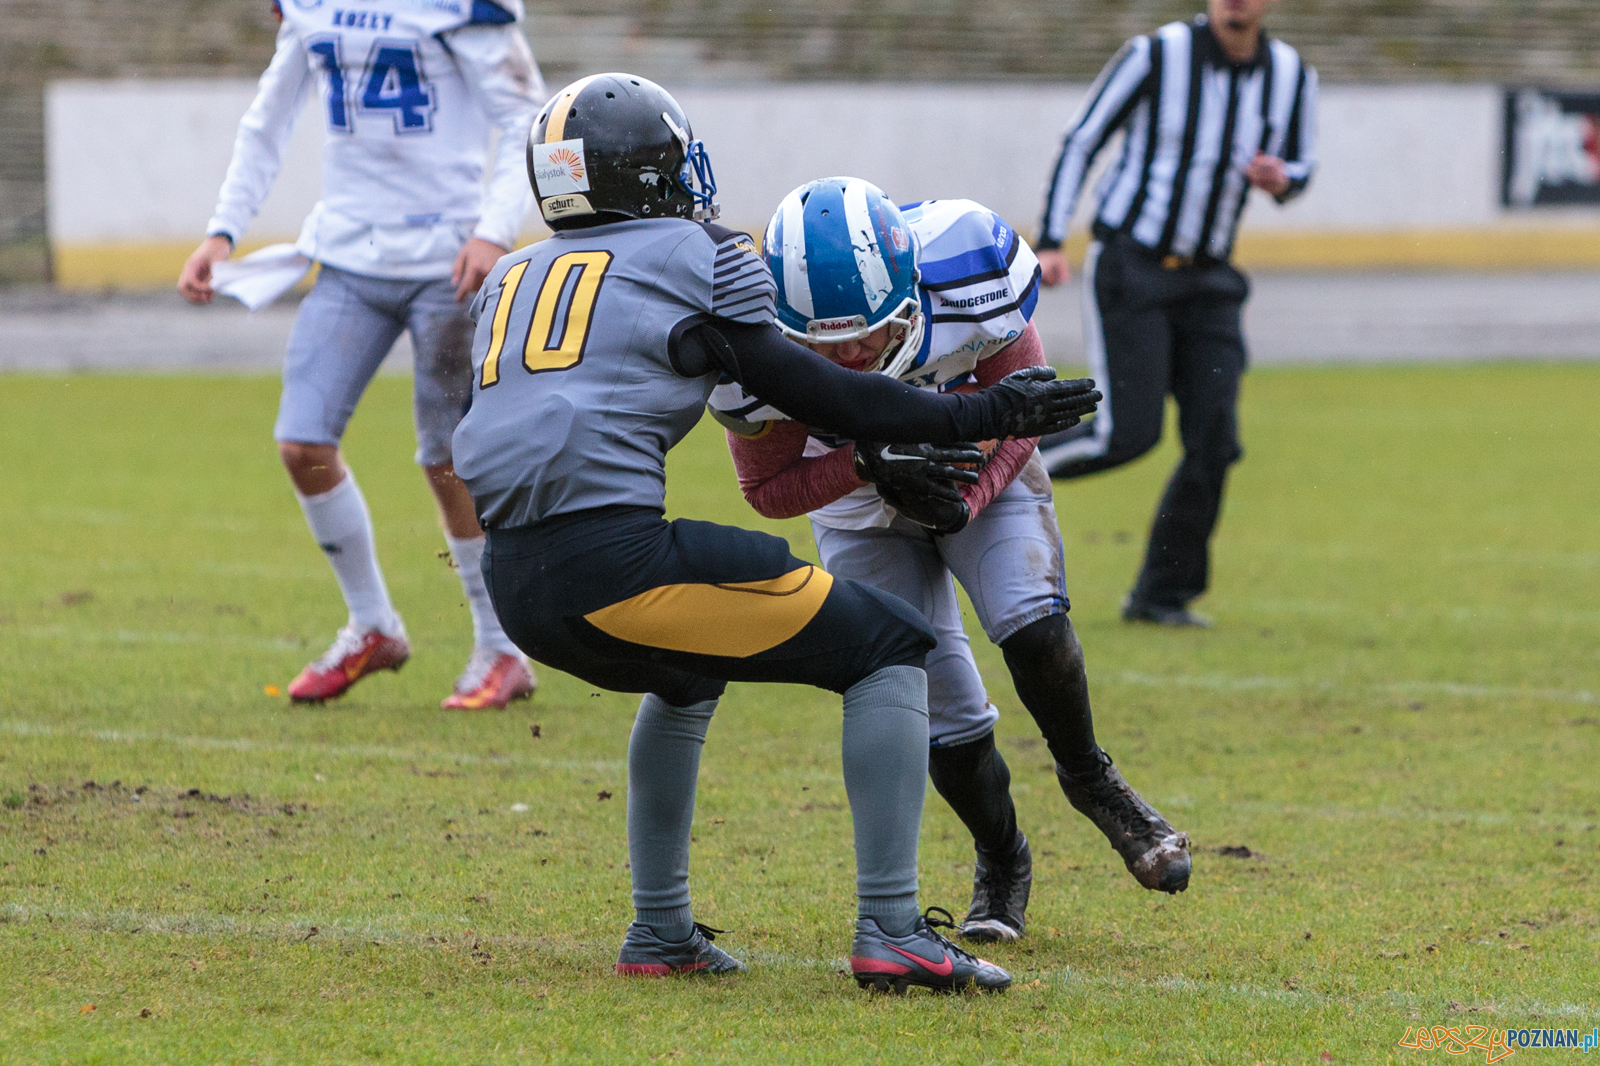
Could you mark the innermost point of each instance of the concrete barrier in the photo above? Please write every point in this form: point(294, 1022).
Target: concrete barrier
point(1409, 175)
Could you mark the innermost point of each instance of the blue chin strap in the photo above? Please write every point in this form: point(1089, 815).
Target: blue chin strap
point(697, 178)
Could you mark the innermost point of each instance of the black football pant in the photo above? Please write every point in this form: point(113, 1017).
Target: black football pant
point(630, 602)
point(1152, 329)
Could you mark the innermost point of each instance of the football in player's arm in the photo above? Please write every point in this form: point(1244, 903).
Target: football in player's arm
point(960, 292)
point(405, 232)
point(595, 353)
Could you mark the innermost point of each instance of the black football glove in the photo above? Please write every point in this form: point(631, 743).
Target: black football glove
point(1030, 403)
point(941, 515)
point(919, 470)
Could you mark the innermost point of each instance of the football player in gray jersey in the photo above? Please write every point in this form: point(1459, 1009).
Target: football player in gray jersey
point(595, 353)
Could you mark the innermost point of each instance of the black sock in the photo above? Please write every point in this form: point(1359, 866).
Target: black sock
point(976, 782)
point(1046, 663)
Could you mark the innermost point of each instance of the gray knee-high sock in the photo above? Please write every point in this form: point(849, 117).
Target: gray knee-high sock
point(663, 764)
point(886, 776)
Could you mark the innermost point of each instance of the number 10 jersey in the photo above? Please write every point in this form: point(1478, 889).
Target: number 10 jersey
point(575, 398)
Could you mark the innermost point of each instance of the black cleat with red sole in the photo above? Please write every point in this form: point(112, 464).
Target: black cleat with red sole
point(922, 957)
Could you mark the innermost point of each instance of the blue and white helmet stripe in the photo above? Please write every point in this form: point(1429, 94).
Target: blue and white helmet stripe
point(846, 264)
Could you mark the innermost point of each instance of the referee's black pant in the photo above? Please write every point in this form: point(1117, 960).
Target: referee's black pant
point(1153, 327)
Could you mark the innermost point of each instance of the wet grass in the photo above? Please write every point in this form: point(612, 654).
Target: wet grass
point(1385, 753)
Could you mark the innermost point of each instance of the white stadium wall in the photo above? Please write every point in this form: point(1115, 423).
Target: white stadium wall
point(1409, 177)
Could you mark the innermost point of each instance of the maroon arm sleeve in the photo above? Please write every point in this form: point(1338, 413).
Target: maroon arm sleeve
point(779, 480)
point(1010, 457)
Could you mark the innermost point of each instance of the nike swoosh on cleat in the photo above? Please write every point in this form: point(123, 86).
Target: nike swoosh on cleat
point(944, 967)
point(353, 673)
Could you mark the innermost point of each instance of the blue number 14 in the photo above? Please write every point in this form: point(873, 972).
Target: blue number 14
point(396, 83)
point(327, 50)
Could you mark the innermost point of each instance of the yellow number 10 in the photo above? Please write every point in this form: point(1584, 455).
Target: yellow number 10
point(550, 345)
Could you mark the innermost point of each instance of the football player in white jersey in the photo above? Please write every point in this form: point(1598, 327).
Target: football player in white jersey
point(410, 92)
point(940, 294)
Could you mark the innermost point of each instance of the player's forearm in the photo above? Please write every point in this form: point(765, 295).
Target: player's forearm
point(502, 73)
point(813, 391)
point(263, 139)
point(780, 482)
point(1004, 466)
point(1012, 455)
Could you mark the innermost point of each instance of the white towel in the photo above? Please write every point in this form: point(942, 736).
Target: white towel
point(260, 277)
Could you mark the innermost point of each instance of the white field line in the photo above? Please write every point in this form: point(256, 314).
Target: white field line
point(1224, 683)
point(145, 636)
point(1422, 612)
point(1346, 551)
point(354, 751)
point(383, 934)
point(1327, 812)
point(1215, 682)
point(1337, 813)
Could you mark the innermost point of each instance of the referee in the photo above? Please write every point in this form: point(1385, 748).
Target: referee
point(1208, 108)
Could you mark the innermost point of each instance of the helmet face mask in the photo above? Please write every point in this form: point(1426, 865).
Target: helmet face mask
point(611, 147)
point(846, 266)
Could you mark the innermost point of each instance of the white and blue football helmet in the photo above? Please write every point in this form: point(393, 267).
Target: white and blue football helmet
point(846, 263)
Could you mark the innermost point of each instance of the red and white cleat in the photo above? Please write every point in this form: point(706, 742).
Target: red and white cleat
point(491, 681)
point(355, 654)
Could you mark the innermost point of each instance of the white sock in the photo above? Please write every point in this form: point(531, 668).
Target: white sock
point(340, 522)
point(486, 631)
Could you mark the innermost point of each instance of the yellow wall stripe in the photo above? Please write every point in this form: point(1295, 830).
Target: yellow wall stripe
point(155, 265)
point(736, 620)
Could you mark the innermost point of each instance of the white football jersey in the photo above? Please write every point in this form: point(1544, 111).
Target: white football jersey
point(409, 91)
point(979, 285)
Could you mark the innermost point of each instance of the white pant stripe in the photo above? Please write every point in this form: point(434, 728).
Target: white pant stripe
point(1098, 442)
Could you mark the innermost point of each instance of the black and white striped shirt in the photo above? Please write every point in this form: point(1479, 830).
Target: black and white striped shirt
point(1194, 120)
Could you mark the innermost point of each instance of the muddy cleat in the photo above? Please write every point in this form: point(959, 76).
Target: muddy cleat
point(491, 681)
point(355, 654)
point(999, 897)
point(644, 954)
point(1156, 854)
point(921, 957)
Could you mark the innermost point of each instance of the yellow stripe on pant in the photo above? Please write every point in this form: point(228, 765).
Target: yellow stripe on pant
point(734, 620)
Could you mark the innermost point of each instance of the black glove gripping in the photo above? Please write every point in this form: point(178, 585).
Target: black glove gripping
point(1030, 403)
point(936, 513)
point(919, 469)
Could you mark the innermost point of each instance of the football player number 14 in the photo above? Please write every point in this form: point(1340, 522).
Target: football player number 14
point(395, 83)
point(554, 341)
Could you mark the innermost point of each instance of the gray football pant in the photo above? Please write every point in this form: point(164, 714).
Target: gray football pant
point(345, 328)
point(1009, 560)
point(885, 774)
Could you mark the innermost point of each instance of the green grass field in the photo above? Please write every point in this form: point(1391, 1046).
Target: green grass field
point(1398, 714)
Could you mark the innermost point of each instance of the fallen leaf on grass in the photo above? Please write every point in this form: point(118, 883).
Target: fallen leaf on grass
point(602, 795)
point(86, 1008)
point(533, 727)
point(272, 690)
point(314, 931)
point(145, 1013)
